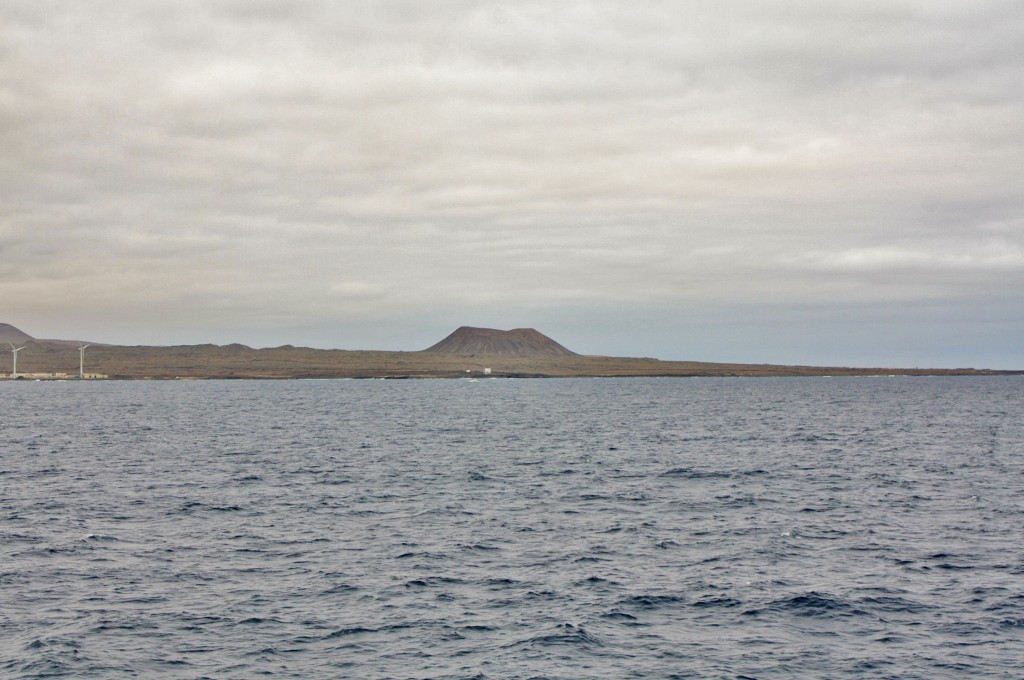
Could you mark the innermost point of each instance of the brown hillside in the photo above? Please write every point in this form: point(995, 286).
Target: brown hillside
point(238, 361)
point(9, 333)
point(516, 342)
point(529, 354)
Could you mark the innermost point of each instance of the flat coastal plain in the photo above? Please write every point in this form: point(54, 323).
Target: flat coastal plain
point(240, 361)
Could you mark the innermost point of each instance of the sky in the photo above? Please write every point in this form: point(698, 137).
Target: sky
point(787, 181)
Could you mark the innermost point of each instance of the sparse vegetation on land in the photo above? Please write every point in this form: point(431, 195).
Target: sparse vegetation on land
point(535, 360)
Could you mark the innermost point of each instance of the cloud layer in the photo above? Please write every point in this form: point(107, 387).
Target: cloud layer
point(208, 168)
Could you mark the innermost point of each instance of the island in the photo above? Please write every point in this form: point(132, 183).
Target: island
point(467, 352)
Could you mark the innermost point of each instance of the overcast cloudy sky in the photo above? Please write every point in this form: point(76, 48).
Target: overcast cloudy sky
point(791, 181)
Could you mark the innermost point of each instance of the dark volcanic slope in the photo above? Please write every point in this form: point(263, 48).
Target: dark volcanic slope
point(9, 333)
point(516, 342)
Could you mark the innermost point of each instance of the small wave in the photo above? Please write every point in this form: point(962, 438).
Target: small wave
point(477, 546)
point(345, 632)
point(273, 651)
point(717, 603)
point(57, 642)
point(173, 662)
point(690, 473)
point(542, 595)
point(892, 604)
point(333, 482)
point(257, 620)
point(9, 577)
point(8, 538)
point(617, 615)
point(810, 437)
point(652, 601)
point(54, 550)
point(362, 630)
point(1013, 603)
point(566, 634)
point(107, 626)
point(47, 668)
point(151, 599)
point(810, 604)
point(432, 581)
point(422, 554)
point(340, 588)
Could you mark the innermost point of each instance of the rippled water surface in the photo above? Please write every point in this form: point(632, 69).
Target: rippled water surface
point(758, 528)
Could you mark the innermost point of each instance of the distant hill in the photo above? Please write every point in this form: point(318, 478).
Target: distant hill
point(9, 333)
point(516, 342)
point(519, 353)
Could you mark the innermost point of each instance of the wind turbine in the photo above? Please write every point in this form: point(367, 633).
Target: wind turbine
point(14, 351)
point(81, 361)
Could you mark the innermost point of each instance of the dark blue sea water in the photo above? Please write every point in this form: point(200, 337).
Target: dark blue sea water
point(631, 528)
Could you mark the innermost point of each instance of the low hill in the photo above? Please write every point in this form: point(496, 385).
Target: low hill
point(519, 342)
point(467, 352)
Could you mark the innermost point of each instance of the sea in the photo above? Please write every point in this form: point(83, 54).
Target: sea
point(513, 528)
